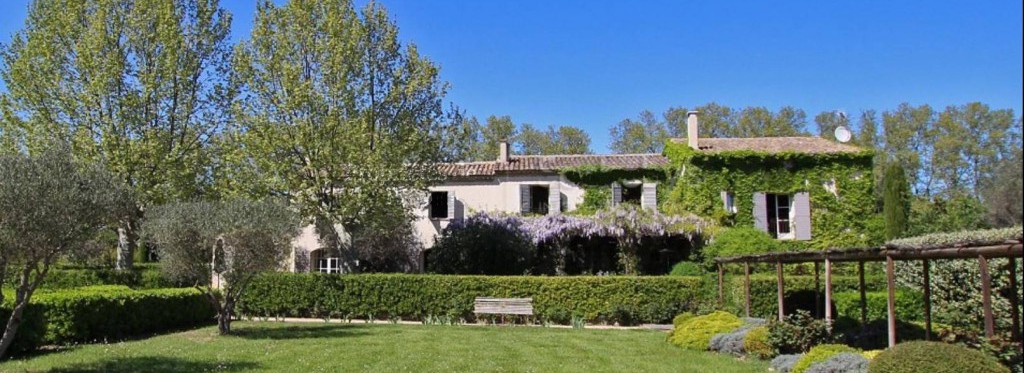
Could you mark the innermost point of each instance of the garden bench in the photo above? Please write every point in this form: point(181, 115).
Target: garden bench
point(503, 306)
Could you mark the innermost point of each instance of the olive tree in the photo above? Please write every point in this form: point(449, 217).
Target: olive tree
point(50, 206)
point(220, 247)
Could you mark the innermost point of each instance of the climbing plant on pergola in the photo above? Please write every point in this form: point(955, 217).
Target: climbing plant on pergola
point(972, 245)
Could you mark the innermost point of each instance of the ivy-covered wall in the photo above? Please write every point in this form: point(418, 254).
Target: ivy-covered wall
point(845, 219)
point(596, 181)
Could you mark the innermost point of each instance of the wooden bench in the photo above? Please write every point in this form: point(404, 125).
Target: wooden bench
point(503, 306)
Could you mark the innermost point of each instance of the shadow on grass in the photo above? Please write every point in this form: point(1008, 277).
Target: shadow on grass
point(299, 331)
point(158, 364)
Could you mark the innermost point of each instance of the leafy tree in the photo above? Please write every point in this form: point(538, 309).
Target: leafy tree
point(908, 136)
point(533, 141)
point(495, 130)
point(50, 206)
point(645, 135)
point(946, 214)
point(896, 203)
point(554, 140)
point(338, 116)
point(828, 121)
point(715, 121)
point(135, 85)
point(1004, 192)
point(867, 134)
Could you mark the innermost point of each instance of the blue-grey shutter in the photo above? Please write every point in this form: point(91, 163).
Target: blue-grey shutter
point(451, 204)
point(725, 201)
point(649, 197)
point(554, 199)
point(760, 212)
point(802, 216)
point(616, 194)
point(524, 198)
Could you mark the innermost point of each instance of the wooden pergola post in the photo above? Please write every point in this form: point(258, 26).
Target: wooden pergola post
point(782, 291)
point(746, 286)
point(927, 300)
point(1014, 302)
point(817, 291)
point(986, 296)
point(828, 291)
point(891, 285)
point(721, 291)
point(863, 295)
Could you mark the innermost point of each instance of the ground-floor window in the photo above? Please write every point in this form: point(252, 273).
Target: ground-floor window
point(780, 218)
point(328, 265)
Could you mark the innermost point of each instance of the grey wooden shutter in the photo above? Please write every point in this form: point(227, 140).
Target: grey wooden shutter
point(760, 212)
point(524, 199)
point(616, 194)
point(802, 216)
point(554, 199)
point(649, 197)
point(451, 204)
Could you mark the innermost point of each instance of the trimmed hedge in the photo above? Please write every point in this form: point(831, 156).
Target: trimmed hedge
point(909, 305)
point(935, 357)
point(107, 313)
point(147, 276)
point(607, 299)
point(799, 292)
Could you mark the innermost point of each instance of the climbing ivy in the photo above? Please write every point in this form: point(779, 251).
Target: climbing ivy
point(596, 183)
point(844, 219)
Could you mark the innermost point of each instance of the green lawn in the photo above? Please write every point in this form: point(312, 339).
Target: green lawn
point(269, 346)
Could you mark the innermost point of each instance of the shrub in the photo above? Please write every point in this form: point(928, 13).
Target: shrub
point(1001, 346)
point(756, 343)
point(871, 354)
point(596, 299)
point(875, 335)
point(798, 333)
point(799, 292)
point(681, 318)
point(738, 241)
point(108, 313)
point(685, 268)
point(818, 354)
point(934, 357)
point(784, 363)
point(483, 245)
point(696, 333)
point(909, 305)
point(732, 342)
point(843, 362)
point(143, 276)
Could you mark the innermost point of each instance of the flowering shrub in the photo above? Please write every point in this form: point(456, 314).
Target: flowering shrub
point(482, 244)
point(798, 332)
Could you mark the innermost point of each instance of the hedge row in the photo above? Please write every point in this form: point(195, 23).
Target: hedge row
point(909, 305)
point(141, 277)
point(107, 313)
point(600, 299)
point(799, 292)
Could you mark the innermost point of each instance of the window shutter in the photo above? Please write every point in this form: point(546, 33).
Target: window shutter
point(802, 216)
point(616, 194)
point(725, 201)
point(649, 197)
point(554, 199)
point(760, 212)
point(451, 204)
point(524, 198)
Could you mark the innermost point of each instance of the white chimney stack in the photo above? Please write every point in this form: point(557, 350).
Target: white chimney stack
point(503, 152)
point(691, 129)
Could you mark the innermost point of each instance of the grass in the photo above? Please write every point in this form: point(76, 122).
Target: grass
point(270, 346)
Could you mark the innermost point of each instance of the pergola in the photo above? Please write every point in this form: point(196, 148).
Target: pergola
point(889, 254)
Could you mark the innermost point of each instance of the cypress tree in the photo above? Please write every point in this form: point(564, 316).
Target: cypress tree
point(895, 200)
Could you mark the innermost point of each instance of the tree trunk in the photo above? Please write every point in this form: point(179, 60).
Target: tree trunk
point(12, 327)
point(224, 318)
point(127, 239)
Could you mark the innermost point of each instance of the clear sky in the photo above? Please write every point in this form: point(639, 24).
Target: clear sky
point(594, 63)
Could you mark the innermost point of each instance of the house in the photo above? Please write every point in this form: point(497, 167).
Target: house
point(794, 188)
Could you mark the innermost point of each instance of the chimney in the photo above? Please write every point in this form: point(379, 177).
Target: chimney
point(691, 129)
point(503, 151)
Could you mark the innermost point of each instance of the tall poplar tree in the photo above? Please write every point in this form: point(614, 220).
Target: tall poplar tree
point(896, 201)
point(132, 84)
point(337, 115)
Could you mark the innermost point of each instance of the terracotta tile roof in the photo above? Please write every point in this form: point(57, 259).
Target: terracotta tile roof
point(810, 145)
point(552, 163)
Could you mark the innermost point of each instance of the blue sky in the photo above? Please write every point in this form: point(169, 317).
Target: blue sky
point(593, 63)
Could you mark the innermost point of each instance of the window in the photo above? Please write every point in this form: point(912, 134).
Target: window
point(439, 205)
point(539, 199)
point(632, 194)
point(328, 265)
point(779, 215)
point(729, 202)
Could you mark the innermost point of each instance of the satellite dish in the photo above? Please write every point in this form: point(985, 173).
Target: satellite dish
point(843, 134)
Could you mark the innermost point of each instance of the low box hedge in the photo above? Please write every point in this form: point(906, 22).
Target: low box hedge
point(596, 299)
point(104, 313)
point(799, 292)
